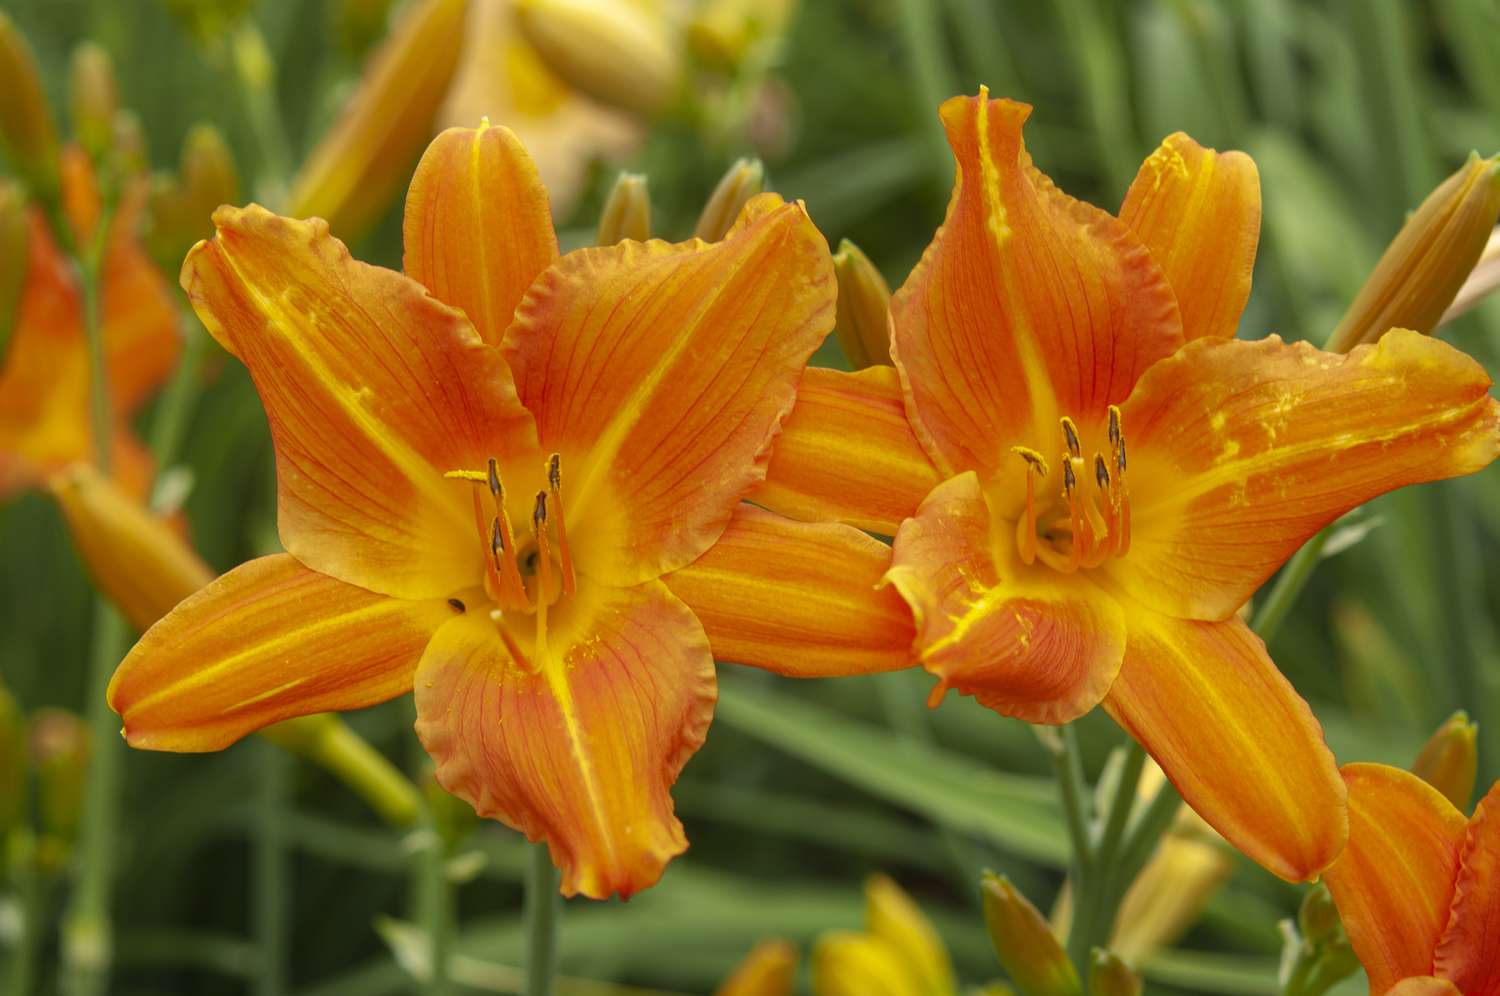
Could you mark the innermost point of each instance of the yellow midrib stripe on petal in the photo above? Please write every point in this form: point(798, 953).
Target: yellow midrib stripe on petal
point(554, 670)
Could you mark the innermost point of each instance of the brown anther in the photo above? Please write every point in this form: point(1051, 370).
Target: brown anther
point(539, 511)
point(1070, 480)
point(554, 471)
point(1101, 472)
point(1114, 426)
point(497, 541)
point(554, 480)
point(1070, 435)
point(1120, 454)
point(494, 477)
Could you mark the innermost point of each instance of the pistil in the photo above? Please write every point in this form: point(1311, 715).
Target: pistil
point(554, 482)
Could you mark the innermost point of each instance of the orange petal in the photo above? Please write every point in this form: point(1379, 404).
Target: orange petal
point(1027, 306)
point(1024, 641)
point(478, 229)
point(582, 751)
point(268, 641)
point(1240, 451)
point(139, 320)
point(1394, 882)
point(661, 372)
point(1198, 211)
point(373, 390)
point(1425, 985)
point(797, 598)
point(1235, 738)
point(847, 453)
point(1469, 952)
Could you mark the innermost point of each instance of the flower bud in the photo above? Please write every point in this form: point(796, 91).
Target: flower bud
point(627, 211)
point(14, 234)
point(96, 98)
point(891, 916)
point(1109, 975)
point(1318, 918)
point(356, 170)
point(1025, 943)
point(1482, 281)
point(1428, 261)
point(745, 179)
point(608, 49)
point(135, 558)
point(180, 211)
point(768, 970)
point(724, 34)
point(846, 963)
point(128, 150)
point(27, 135)
point(1449, 761)
point(864, 308)
point(12, 765)
point(59, 747)
point(207, 21)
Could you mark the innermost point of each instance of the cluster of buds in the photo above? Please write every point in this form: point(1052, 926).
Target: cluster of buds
point(1034, 958)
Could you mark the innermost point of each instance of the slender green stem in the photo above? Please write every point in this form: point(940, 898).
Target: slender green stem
point(1097, 892)
point(170, 422)
point(1288, 587)
point(271, 874)
point(542, 908)
point(255, 71)
point(435, 906)
point(1144, 833)
point(31, 901)
point(1075, 801)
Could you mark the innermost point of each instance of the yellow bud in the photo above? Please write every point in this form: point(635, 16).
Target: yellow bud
point(59, 747)
point(768, 970)
point(1449, 761)
point(864, 308)
point(846, 963)
point(745, 179)
point(1025, 943)
point(1425, 265)
point(27, 135)
point(14, 234)
point(1482, 281)
point(724, 33)
point(891, 916)
point(355, 172)
point(1109, 975)
point(627, 211)
point(610, 50)
point(96, 98)
point(12, 765)
point(135, 558)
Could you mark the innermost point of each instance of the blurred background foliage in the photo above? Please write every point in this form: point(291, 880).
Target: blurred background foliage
point(247, 872)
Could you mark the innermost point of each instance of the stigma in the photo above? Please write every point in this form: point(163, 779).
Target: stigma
point(1089, 522)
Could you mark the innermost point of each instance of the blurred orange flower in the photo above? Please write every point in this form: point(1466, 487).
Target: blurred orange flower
point(1418, 887)
point(44, 382)
point(1046, 573)
point(482, 487)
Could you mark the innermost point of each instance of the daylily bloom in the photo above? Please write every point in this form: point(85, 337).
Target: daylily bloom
point(485, 468)
point(1037, 343)
point(1418, 887)
point(44, 382)
point(897, 954)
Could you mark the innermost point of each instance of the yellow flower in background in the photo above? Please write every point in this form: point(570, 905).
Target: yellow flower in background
point(899, 953)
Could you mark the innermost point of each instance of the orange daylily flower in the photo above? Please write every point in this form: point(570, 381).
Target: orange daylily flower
point(44, 382)
point(486, 467)
point(1039, 340)
point(1418, 887)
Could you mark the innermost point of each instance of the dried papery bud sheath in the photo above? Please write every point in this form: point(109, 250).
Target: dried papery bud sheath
point(58, 743)
point(1449, 761)
point(95, 97)
point(770, 969)
point(864, 308)
point(610, 50)
point(353, 175)
point(12, 764)
point(14, 234)
point(27, 134)
point(135, 558)
point(1429, 259)
point(1109, 975)
point(627, 211)
point(1482, 281)
point(745, 179)
point(1024, 942)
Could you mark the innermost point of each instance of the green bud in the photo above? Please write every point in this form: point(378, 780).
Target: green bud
point(1024, 942)
point(1110, 976)
point(745, 179)
point(864, 308)
point(27, 134)
point(96, 98)
point(1449, 761)
point(59, 744)
point(1318, 918)
point(627, 211)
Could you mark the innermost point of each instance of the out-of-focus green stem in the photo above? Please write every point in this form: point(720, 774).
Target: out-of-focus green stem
point(1288, 587)
point(435, 905)
point(170, 422)
point(1097, 888)
point(542, 908)
point(920, 29)
point(271, 874)
point(255, 71)
point(1097, 58)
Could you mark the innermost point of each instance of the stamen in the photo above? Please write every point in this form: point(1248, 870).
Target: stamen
point(1036, 468)
point(1119, 496)
point(505, 551)
point(1102, 532)
point(1101, 473)
point(554, 481)
point(1114, 427)
point(517, 654)
point(544, 571)
point(492, 585)
point(1070, 435)
point(1075, 510)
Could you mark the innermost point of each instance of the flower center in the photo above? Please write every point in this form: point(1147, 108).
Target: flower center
point(1086, 524)
point(525, 577)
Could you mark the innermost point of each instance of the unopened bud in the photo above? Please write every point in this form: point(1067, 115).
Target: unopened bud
point(627, 211)
point(135, 558)
point(208, 173)
point(745, 179)
point(1025, 943)
point(1449, 761)
point(27, 134)
point(724, 33)
point(12, 764)
point(1109, 975)
point(891, 916)
point(1428, 261)
point(14, 236)
point(768, 970)
point(610, 50)
point(1482, 281)
point(128, 150)
point(845, 963)
point(180, 211)
point(356, 170)
point(207, 21)
point(1318, 918)
point(59, 747)
point(96, 98)
point(864, 308)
